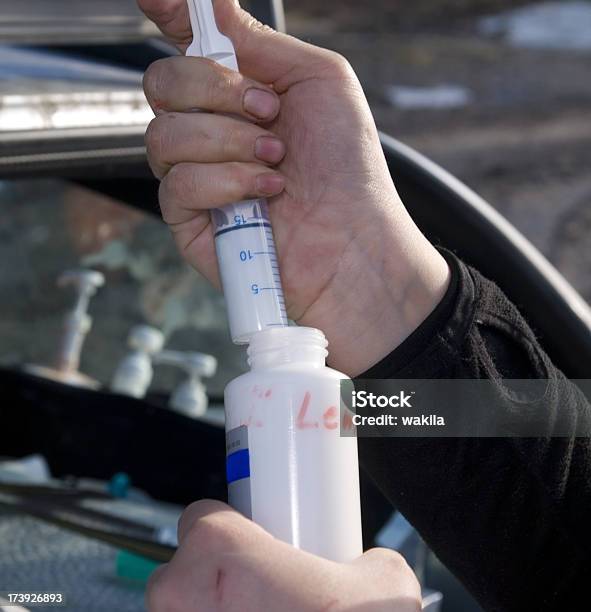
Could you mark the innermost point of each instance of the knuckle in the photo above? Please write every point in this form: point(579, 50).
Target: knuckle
point(339, 64)
point(395, 563)
point(391, 560)
point(398, 562)
point(239, 179)
point(153, 80)
point(255, 25)
point(214, 533)
point(219, 87)
point(165, 201)
point(390, 568)
point(153, 138)
point(207, 533)
point(394, 560)
point(180, 181)
point(176, 191)
point(232, 143)
point(196, 511)
point(160, 137)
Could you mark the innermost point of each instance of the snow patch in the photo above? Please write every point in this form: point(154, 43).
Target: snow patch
point(439, 97)
point(547, 25)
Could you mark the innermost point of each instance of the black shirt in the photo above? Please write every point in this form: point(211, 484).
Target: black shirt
point(510, 517)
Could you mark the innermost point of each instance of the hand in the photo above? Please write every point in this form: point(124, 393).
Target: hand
point(353, 263)
point(226, 563)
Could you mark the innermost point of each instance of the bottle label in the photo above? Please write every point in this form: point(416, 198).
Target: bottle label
point(238, 470)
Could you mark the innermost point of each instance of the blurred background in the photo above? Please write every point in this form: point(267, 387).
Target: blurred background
point(497, 92)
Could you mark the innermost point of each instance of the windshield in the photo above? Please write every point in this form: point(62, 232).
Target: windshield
point(49, 226)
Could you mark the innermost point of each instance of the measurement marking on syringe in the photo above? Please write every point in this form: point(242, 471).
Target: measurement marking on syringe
point(225, 230)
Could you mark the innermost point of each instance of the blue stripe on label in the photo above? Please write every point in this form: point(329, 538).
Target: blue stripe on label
point(238, 465)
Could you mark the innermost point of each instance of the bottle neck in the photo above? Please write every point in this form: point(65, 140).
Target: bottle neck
point(287, 345)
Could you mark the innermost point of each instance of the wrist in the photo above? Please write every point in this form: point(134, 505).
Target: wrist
point(382, 301)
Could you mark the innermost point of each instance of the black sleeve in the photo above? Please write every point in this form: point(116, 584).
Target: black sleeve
point(510, 517)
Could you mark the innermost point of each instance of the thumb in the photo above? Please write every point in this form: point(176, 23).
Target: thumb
point(264, 54)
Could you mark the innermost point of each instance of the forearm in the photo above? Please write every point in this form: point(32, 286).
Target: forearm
point(507, 515)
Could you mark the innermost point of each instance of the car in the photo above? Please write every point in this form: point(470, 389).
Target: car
point(76, 192)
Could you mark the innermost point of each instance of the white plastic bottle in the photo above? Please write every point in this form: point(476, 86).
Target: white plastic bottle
point(288, 467)
point(134, 374)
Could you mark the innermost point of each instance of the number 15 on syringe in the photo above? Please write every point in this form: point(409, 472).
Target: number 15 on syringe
point(248, 268)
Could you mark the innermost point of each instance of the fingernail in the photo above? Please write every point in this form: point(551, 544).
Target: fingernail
point(269, 149)
point(270, 184)
point(262, 104)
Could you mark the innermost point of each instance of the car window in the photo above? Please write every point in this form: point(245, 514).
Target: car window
point(49, 226)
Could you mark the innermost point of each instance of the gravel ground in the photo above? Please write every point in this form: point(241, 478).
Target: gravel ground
point(389, 16)
point(524, 141)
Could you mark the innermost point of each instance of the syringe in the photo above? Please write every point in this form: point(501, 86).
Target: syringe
point(288, 468)
point(243, 236)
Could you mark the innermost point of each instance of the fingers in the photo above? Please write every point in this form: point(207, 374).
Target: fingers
point(189, 83)
point(188, 150)
point(200, 511)
point(188, 188)
point(195, 240)
point(172, 17)
point(173, 138)
point(389, 569)
point(209, 526)
point(263, 53)
point(383, 560)
point(211, 537)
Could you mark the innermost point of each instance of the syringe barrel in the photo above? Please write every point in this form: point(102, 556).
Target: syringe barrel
point(243, 236)
point(248, 268)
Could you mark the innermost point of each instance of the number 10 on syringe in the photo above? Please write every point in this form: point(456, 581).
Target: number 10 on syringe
point(248, 268)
